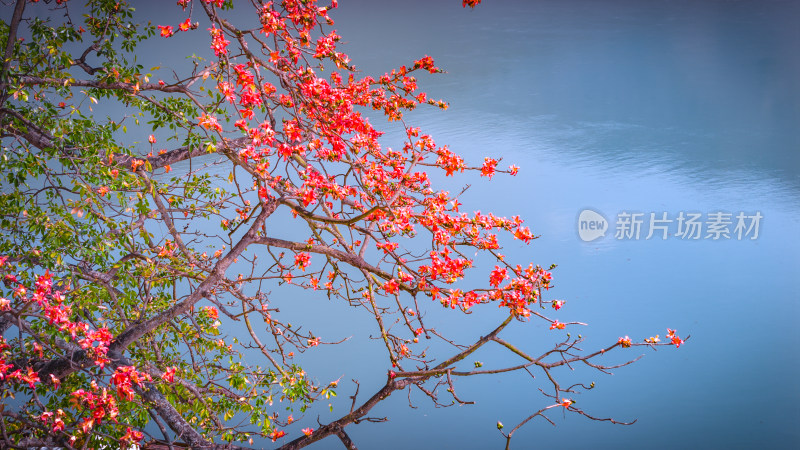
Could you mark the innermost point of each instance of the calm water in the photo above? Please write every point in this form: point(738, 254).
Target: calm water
point(639, 106)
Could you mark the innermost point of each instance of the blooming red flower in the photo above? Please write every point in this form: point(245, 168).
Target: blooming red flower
point(136, 163)
point(489, 167)
point(211, 312)
point(523, 234)
point(557, 325)
point(301, 260)
point(391, 286)
point(209, 122)
point(674, 338)
point(58, 425)
point(131, 435)
point(169, 374)
point(32, 377)
point(218, 42)
point(56, 382)
point(186, 25)
point(498, 275)
point(166, 30)
point(387, 247)
point(275, 435)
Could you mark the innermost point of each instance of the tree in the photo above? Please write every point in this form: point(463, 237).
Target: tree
point(122, 276)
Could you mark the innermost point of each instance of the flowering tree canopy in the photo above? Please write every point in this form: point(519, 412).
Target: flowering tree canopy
point(142, 269)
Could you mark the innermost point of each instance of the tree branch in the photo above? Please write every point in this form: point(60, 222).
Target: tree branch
point(13, 27)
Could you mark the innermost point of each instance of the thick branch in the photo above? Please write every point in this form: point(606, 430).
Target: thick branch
point(203, 289)
point(42, 140)
point(334, 427)
point(116, 86)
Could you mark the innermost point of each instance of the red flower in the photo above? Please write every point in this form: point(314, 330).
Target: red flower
point(301, 260)
point(209, 122)
point(391, 286)
point(136, 163)
point(169, 374)
point(185, 25)
point(20, 291)
point(488, 168)
point(523, 234)
point(497, 276)
point(131, 435)
point(624, 342)
point(211, 312)
point(557, 325)
point(31, 377)
point(166, 30)
point(218, 42)
point(275, 435)
point(674, 338)
point(387, 246)
point(58, 425)
point(56, 382)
